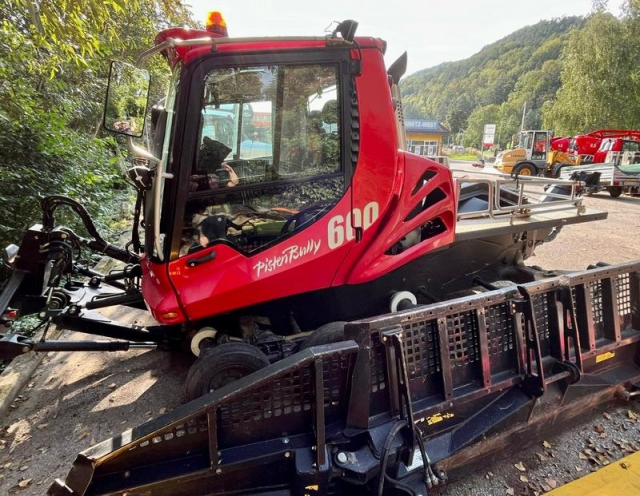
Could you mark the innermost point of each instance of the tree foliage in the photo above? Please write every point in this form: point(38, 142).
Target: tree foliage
point(54, 63)
point(600, 72)
point(487, 114)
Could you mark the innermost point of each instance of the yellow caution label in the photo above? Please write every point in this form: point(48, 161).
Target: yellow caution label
point(312, 488)
point(438, 417)
point(605, 356)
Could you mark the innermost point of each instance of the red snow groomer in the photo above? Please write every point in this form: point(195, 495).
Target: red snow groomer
point(363, 322)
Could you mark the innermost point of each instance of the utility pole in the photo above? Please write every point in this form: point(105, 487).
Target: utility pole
point(524, 111)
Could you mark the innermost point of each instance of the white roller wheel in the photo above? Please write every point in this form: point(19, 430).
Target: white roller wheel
point(398, 297)
point(196, 340)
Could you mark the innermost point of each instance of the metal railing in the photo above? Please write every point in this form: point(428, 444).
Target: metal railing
point(520, 196)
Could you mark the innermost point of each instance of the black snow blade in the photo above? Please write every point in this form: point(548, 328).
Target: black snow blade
point(408, 397)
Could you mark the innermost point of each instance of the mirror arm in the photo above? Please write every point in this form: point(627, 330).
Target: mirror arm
point(168, 43)
point(142, 152)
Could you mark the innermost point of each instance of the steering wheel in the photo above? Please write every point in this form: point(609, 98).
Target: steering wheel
point(312, 211)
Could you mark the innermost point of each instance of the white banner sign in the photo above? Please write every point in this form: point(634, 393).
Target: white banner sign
point(489, 134)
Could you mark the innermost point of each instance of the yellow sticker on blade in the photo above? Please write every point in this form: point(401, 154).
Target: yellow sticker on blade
point(605, 356)
point(438, 417)
point(312, 488)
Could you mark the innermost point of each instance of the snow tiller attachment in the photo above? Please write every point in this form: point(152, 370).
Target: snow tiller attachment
point(407, 400)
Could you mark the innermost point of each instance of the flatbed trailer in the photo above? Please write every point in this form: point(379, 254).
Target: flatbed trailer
point(616, 179)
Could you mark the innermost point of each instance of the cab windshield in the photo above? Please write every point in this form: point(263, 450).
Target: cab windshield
point(269, 154)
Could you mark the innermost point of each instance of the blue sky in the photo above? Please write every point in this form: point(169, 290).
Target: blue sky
point(431, 31)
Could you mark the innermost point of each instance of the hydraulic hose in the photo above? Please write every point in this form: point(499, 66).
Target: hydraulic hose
point(384, 460)
point(49, 206)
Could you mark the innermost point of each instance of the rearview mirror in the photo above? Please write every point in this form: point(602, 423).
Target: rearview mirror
point(127, 99)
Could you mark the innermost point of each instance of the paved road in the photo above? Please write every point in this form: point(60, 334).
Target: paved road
point(75, 400)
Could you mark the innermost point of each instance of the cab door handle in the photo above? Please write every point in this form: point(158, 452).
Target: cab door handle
point(197, 261)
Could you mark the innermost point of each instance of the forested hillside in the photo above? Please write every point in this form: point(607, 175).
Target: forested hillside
point(574, 74)
point(493, 85)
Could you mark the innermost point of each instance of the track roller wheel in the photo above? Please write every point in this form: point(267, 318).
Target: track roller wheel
point(402, 300)
point(202, 339)
point(503, 284)
point(333, 332)
point(219, 366)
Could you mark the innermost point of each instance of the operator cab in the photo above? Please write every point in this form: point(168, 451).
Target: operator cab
point(536, 144)
point(254, 200)
point(251, 138)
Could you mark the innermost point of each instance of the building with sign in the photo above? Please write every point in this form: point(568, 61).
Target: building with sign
point(425, 137)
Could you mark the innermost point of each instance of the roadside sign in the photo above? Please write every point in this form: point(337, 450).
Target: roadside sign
point(489, 134)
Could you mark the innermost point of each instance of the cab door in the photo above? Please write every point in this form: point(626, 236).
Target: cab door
point(540, 145)
point(254, 205)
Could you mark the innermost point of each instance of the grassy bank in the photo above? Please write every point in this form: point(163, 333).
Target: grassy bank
point(465, 156)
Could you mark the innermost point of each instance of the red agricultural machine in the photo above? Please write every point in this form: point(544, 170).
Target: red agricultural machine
point(363, 322)
point(594, 146)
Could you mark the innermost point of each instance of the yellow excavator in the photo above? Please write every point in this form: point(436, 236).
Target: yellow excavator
point(534, 156)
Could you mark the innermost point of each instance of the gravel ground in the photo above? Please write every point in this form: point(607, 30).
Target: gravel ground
point(609, 435)
point(614, 240)
point(75, 400)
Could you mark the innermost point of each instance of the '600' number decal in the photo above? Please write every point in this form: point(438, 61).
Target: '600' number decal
point(340, 228)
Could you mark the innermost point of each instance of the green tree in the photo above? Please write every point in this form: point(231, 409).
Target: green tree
point(458, 114)
point(480, 116)
point(54, 59)
point(598, 86)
